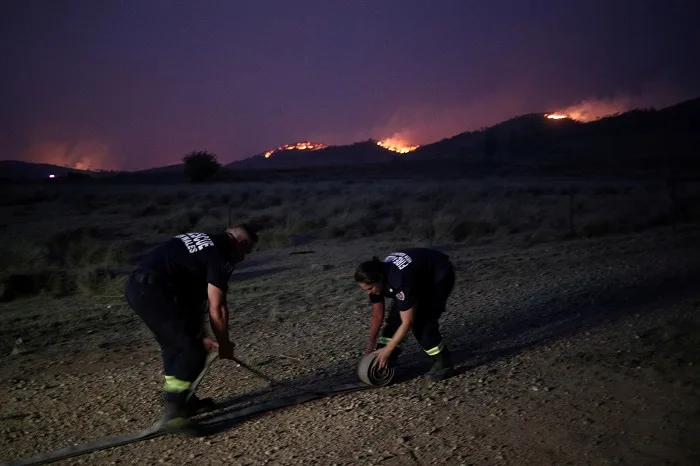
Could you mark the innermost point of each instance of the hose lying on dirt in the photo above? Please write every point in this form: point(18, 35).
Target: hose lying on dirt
point(370, 375)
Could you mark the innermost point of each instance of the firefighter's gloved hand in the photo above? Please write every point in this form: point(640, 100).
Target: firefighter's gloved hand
point(383, 355)
point(226, 350)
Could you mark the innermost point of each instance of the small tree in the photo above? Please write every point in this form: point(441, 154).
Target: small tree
point(200, 166)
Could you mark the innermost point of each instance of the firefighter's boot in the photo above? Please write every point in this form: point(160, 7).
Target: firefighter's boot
point(196, 405)
point(176, 416)
point(442, 367)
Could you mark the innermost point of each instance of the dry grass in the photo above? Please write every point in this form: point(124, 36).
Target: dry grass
point(62, 240)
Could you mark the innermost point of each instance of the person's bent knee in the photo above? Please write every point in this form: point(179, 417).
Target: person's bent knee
point(189, 363)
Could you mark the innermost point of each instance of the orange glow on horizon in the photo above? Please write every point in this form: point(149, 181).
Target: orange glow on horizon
point(84, 155)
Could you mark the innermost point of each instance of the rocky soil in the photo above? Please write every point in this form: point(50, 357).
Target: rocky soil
point(578, 352)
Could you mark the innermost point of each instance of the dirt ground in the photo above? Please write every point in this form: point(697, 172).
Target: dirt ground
point(577, 352)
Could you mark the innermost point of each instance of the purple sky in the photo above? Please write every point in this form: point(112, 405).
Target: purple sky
point(139, 83)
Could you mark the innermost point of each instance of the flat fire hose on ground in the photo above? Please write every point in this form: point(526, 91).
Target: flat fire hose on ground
point(369, 374)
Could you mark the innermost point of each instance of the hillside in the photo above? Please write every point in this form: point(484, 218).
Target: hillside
point(666, 139)
point(353, 154)
point(637, 133)
point(650, 137)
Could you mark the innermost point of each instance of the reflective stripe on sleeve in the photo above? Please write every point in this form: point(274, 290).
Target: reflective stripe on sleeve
point(384, 340)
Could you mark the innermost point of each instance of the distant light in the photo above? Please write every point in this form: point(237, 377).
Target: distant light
point(52, 176)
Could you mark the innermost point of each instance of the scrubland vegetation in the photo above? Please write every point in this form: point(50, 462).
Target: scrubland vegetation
point(82, 239)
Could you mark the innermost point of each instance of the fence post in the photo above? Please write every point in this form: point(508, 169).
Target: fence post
point(571, 212)
point(673, 194)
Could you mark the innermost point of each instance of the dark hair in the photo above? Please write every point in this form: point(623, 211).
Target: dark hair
point(371, 272)
point(250, 231)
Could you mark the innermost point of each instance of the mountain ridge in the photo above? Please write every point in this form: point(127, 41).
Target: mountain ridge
point(638, 132)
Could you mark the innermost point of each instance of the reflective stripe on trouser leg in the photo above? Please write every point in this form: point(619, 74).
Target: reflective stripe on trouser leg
point(174, 385)
point(435, 350)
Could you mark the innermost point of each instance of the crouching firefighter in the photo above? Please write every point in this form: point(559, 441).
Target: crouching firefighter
point(168, 291)
point(419, 280)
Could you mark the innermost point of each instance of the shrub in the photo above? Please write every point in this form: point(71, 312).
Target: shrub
point(200, 166)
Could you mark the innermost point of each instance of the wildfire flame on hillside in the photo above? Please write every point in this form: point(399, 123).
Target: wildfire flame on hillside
point(591, 110)
point(302, 145)
point(396, 145)
point(555, 116)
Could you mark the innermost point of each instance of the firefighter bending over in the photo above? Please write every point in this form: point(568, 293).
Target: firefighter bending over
point(168, 291)
point(419, 281)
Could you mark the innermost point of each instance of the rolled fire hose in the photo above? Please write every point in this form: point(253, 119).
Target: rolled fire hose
point(369, 372)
